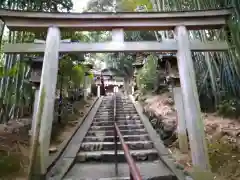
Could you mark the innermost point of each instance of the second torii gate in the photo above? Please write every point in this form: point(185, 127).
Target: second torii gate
point(180, 22)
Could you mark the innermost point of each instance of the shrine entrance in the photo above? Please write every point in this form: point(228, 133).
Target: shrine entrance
point(178, 22)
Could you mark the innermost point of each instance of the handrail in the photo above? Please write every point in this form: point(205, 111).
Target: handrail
point(134, 171)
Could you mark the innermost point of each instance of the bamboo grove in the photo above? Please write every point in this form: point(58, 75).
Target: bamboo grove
point(16, 92)
point(217, 73)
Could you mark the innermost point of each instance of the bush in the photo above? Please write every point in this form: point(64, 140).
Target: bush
point(9, 164)
point(229, 108)
point(224, 159)
point(147, 76)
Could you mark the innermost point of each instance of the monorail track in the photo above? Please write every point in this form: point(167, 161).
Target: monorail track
point(90, 154)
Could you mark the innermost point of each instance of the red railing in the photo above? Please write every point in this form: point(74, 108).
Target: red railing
point(134, 171)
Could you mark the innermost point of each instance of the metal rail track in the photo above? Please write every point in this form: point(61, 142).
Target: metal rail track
point(91, 152)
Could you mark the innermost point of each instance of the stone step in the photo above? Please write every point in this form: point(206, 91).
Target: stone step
point(124, 111)
point(121, 127)
point(111, 133)
point(104, 111)
point(88, 171)
point(122, 122)
point(101, 115)
point(127, 116)
point(109, 156)
point(135, 115)
point(116, 178)
point(102, 146)
point(139, 137)
point(109, 107)
point(125, 106)
point(106, 118)
point(130, 108)
point(118, 118)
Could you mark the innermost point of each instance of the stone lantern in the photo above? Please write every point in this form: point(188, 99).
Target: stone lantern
point(98, 84)
point(36, 64)
point(139, 63)
point(35, 79)
point(87, 82)
point(173, 81)
point(115, 83)
point(169, 62)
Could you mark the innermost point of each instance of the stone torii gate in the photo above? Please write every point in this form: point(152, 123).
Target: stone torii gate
point(180, 22)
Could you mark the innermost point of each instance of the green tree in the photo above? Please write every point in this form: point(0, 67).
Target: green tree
point(218, 74)
point(16, 93)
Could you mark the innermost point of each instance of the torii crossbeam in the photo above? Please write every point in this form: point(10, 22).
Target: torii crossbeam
point(39, 21)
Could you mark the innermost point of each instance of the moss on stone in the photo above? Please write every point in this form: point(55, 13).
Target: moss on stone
point(9, 163)
point(224, 159)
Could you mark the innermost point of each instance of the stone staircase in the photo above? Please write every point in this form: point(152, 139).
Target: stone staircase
point(96, 158)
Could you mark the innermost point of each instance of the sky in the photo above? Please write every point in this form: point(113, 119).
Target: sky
point(79, 5)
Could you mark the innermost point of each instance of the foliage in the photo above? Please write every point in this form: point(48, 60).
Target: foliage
point(131, 5)
point(224, 159)
point(8, 72)
point(9, 163)
point(147, 76)
point(229, 108)
point(72, 74)
point(16, 93)
point(91, 76)
point(38, 5)
point(121, 61)
point(100, 6)
point(218, 74)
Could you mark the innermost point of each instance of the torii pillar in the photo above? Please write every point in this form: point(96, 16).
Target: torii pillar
point(45, 107)
point(191, 103)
